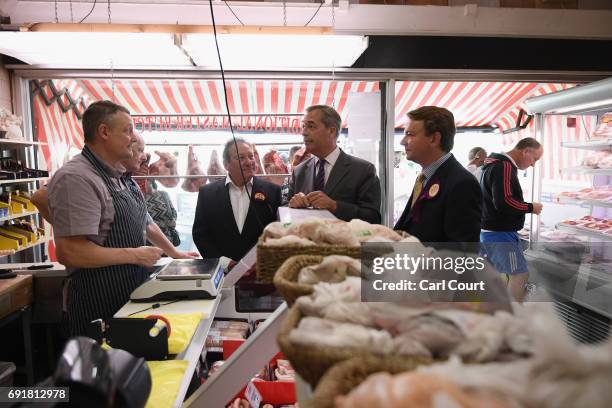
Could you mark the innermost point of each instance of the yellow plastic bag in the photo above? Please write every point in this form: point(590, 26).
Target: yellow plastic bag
point(166, 379)
point(182, 326)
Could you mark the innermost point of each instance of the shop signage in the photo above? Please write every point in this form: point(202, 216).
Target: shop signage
point(255, 123)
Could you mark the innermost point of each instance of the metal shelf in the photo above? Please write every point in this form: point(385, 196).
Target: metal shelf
point(584, 231)
point(593, 145)
point(587, 170)
point(42, 240)
point(20, 143)
point(583, 202)
point(20, 215)
point(25, 180)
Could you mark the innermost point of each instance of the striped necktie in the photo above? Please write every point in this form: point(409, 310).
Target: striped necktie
point(319, 178)
point(418, 187)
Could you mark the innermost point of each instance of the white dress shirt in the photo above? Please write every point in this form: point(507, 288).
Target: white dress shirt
point(330, 161)
point(239, 200)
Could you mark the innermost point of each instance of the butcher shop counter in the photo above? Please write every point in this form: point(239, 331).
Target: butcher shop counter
point(194, 348)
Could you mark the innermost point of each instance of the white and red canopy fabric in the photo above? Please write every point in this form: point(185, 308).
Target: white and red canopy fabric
point(473, 104)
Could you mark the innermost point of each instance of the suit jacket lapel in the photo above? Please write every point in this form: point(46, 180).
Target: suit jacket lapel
point(340, 169)
point(227, 212)
point(308, 175)
point(437, 176)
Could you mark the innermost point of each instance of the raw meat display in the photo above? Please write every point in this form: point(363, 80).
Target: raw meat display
point(165, 166)
point(604, 127)
point(599, 160)
point(416, 390)
point(591, 223)
point(215, 167)
point(193, 169)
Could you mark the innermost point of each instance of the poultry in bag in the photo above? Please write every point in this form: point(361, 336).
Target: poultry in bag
point(165, 166)
point(193, 169)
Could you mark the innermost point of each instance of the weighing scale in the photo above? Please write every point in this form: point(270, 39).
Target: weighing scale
point(182, 279)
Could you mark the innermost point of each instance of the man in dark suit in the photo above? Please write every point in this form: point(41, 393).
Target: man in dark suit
point(333, 180)
point(226, 223)
point(446, 201)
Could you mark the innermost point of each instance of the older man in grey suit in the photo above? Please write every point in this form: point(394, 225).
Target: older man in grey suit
point(333, 180)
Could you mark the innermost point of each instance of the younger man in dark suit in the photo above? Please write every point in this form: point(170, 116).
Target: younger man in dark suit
point(333, 180)
point(446, 202)
point(226, 223)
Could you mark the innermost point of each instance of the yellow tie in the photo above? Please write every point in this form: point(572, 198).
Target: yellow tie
point(418, 187)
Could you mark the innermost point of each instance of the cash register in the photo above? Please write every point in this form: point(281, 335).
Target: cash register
point(182, 279)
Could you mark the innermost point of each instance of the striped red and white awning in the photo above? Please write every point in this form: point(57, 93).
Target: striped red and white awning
point(472, 103)
point(508, 121)
point(200, 97)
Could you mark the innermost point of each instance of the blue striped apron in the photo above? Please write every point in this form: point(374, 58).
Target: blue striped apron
point(99, 292)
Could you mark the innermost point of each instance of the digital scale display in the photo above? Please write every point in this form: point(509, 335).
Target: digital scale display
point(189, 269)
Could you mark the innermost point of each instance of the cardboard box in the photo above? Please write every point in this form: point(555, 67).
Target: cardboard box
point(15, 293)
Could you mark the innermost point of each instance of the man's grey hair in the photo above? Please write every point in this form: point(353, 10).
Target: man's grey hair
point(229, 146)
point(475, 152)
point(331, 118)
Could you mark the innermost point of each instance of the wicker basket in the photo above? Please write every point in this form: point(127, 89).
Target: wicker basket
point(286, 277)
point(345, 376)
point(311, 362)
point(270, 258)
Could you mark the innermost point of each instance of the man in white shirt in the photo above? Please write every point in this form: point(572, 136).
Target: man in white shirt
point(226, 222)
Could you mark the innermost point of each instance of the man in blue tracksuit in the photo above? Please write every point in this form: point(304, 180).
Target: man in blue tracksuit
point(503, 211)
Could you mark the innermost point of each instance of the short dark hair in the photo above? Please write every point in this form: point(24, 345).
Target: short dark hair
point(475, 151)
point(331, 118)
point(97, 113)
point(437, 119)
point(527, 143)
point(230, 145)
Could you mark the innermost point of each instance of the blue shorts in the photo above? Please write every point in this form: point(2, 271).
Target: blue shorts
point(504, 251)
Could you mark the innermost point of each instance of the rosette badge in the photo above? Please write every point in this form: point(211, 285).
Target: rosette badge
point(433, 190)
point(260, 197)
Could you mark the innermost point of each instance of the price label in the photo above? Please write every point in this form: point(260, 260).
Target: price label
point(252, 395)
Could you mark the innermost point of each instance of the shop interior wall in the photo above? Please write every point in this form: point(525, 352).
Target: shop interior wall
point(5, 87)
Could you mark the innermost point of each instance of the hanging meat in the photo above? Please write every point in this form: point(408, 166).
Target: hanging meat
point(165, 166)
point(193, 169)
point(214, 166)
point(300, 156)
point(273, 164)
point(258, 167)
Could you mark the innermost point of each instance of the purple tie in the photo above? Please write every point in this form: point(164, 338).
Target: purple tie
point(319, 179)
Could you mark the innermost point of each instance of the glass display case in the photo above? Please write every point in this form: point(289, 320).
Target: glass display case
point(571, 242)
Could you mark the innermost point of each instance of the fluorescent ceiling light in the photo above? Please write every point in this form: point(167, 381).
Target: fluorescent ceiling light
point(93, 49)
point(257, 51)
point(238, 51)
